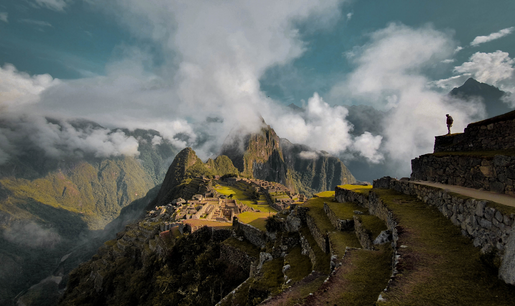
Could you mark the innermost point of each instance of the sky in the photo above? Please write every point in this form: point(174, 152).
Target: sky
point(195, 70)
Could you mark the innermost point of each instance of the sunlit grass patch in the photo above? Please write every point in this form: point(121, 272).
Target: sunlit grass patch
point(316, 210)
point(256, 219)
point(345, 211)
point(357, 188)
point(325, 194)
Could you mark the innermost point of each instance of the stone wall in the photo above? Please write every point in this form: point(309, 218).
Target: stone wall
point(339, 224)
point(497, 133)
point(307, 250)
point(252, 234)
point(236, 257)
point(344, 195)
point(364, 236)
point(487, 226)
point(320, 238)
point(495, 174)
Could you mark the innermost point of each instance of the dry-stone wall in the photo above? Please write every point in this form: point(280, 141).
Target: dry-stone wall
point(496, 133)
point(495, 174)
point(320, 238)
point(236, 257)
point(252, 234)
point(490, 228)
point(339, 224)
point(307, 250)
point(365, 239)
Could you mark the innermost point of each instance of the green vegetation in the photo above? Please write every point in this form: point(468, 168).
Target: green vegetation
point(341, 240)
point(256, 219)
point(345, 211)
point(439, 263)
point(244, 246)
point(372, 224)
point(358, 188)
point(322, 259)
point(363, 275)
point(272, 277)
point(300, 265)
point(325, 194)
point(316, 210)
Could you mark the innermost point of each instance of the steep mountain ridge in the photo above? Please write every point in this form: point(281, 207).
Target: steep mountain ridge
point(490, 95)
point(263, 155)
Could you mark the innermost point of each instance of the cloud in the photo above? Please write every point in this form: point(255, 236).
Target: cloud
point(32, 235)
point(484, 39)
point(390, 74)
point(488, 67)
point(37, 23)
point(3, 17)
point(308, 155)
point(368, 145)
point(56, 5)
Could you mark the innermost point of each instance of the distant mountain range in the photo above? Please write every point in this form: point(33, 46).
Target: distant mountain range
point(490, 96)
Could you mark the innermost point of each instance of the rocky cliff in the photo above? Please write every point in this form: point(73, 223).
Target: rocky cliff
point(263, 155)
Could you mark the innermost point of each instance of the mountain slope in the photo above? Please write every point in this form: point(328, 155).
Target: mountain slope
point(263, 155)
point(490, 95)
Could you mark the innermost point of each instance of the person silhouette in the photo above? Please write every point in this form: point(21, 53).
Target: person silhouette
point(449, 123)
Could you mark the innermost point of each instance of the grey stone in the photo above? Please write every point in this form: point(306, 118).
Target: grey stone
point(383, 237)
point(507, 220)
point(485, 223)
point(498, 216)
point(507, 268)
point(488, 213)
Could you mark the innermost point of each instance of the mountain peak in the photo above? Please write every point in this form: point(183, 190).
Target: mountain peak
point(490, 95)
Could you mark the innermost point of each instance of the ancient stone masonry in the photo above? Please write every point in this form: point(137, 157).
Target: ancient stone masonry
point(321, 238)
point(307, 250)
point(495, 174)
point(489, 227)
point(497, 133)
point(364, 236)
point(339, 224)
point(236, 257)
point(252, 234)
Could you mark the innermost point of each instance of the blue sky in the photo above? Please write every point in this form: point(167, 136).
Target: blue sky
point(168, 65)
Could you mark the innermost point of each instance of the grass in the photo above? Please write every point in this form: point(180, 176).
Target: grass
point(244, 246)
point(300, 265)
point(325, 194)
point(373, 224)
point(439, 265)
point(341, 240)
point(316, 210)
point(272, 276)
point(242, 197)
point(256, 219)
point(363, 275)
point(345, 211)
point(322, 259)
point(357, 188)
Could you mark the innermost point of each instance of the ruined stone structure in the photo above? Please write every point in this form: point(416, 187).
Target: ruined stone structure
point(478, 158)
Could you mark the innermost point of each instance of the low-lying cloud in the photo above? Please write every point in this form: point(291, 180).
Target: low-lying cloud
point(32, 235)
point(493, 36)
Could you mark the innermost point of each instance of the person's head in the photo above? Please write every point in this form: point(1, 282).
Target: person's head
point(447, 115)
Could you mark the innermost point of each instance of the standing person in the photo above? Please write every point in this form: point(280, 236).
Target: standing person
point(449, 124)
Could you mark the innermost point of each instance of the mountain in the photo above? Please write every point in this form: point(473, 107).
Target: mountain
point(52, 205)
point(263, 155)
point(490, 95)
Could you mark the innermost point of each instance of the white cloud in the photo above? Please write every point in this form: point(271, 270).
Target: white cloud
point(349, 15)
point(458, 49)
point(484, 39)
point(4, 16)
point(308, 155)
point(390, 75)
point(368, 145)
point(449, 83)
point(18, 88)
point(157, 140)
point(488, 68)
point(56, 5)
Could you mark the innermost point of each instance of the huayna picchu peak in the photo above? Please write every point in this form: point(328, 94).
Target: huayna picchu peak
point(216, 235)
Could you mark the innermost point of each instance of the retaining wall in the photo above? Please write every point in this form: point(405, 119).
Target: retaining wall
point(339, 224)
point(495, 173)
point(252, 234)
point(236, 257)
point(320, 238)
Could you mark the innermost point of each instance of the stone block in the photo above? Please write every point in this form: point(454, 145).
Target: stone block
point(498, 216)
point(507, 268)
point(485, 223)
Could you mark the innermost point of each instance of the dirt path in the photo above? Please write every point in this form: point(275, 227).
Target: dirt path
point(474, 193)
